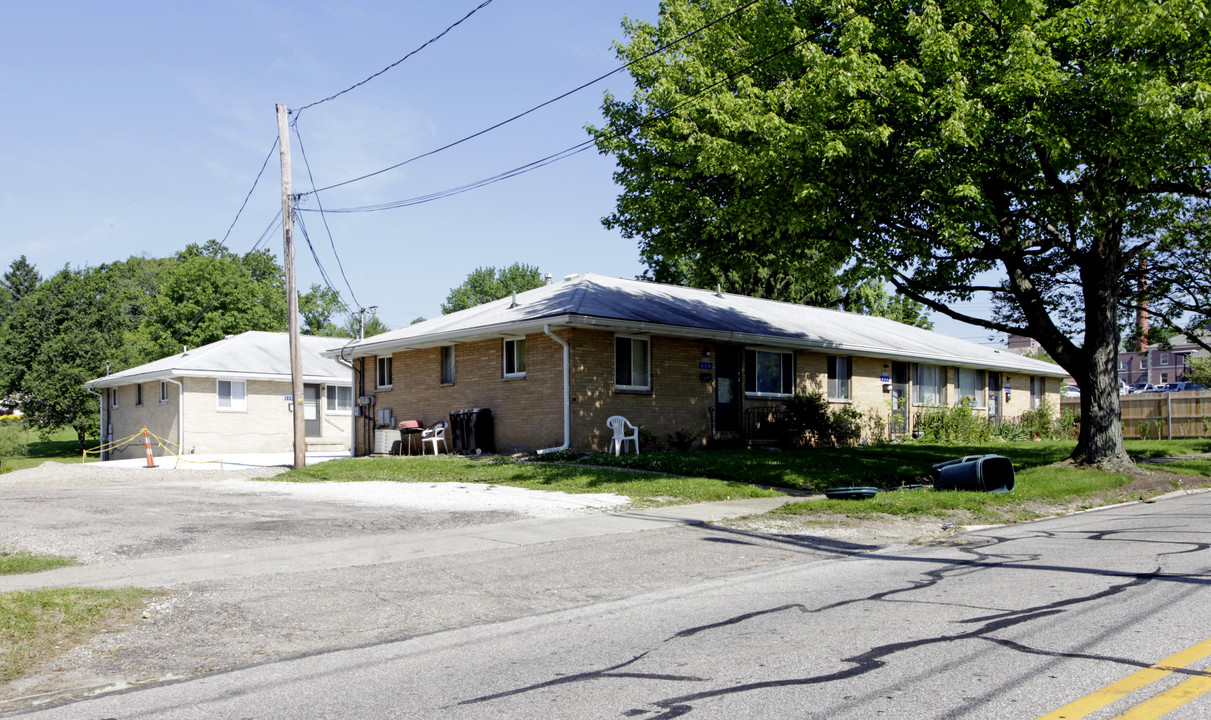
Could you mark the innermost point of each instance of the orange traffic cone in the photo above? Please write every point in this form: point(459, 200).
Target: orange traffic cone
point(151, 461)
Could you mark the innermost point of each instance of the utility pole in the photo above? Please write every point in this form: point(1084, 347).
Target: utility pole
point(298, 405)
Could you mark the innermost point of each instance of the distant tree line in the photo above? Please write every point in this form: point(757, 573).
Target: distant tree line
point(58, 332)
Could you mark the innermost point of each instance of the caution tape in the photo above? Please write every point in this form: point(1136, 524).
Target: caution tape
point(163, 443)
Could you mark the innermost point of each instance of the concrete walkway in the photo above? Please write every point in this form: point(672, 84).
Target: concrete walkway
point(377, 549)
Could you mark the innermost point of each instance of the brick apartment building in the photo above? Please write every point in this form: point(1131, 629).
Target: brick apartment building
point(1157, 366)
point(552, 364)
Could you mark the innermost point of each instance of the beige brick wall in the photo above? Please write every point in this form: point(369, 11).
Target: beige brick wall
point(266, 426)
point(129, 418)
point(528, 412)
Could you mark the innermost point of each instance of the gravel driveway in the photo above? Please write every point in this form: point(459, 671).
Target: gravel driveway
point(102, 514)
point(98, 513)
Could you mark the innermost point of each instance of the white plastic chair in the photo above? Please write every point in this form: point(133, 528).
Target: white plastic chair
point(434, 435)
point(620, 425)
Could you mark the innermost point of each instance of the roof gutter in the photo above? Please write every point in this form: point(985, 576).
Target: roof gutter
point(567, 392)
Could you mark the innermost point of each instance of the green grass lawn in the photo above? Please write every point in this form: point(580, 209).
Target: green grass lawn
point(61, 446)
point(644, 488)
point(36, 625)
point(13, 562)
point(699, 476)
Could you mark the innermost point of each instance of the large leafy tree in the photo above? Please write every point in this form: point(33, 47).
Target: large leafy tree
point(72, 328)
point(1175, 277)
point(209, 292)
point(318, 306)
point(1028, 150)
point(484, 284)
point(19, 280)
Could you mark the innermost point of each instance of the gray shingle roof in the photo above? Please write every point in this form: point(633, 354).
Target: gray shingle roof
point(252, 355)
point(636, 306)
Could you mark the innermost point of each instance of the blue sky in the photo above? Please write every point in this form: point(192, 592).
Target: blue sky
point(135, 128)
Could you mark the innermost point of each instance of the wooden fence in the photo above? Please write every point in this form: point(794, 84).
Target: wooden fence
point(1161, 415)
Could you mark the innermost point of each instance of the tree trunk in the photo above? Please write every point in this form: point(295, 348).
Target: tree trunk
point(1101, 437)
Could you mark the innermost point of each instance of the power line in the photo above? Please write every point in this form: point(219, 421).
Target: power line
point(323, 217)
point(429, 42)
point(575, 149)
point(555, 99)
point(250, 190)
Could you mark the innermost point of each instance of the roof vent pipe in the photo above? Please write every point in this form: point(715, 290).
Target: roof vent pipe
point(719, 290)
point(567, 393)
point(514, 303)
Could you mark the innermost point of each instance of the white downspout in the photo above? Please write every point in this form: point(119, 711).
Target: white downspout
point(180, 418)
point(567, 393)
point(101, 422)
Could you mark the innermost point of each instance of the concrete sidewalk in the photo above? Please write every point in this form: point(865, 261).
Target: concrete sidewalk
point(378, 549)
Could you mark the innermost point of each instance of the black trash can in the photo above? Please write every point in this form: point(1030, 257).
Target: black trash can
point(481, 434)
point(472, 431)
point(458, 431)
point(980, 473)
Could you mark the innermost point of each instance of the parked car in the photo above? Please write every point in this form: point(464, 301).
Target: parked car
point(1180, 387)
point(1123, 387)
point(1140, 387)
point(1070, 391)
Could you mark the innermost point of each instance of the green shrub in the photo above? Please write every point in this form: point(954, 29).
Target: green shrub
point(13, 442)
point(875, 427)
point(1070, 423)
point(1040, 422)
point(807, 420)
point(956, 425)
point(845, 426)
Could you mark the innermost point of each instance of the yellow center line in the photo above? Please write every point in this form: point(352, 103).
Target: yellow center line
point(1099, 699)
point(1170, 700)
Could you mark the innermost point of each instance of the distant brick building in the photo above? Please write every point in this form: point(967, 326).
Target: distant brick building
point(1157, 366)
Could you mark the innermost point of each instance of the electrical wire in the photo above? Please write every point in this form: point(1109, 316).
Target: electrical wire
point(324, 217)
point(580, 147)
point(555, 99)
point(250, 190)
point(429, 42)
point(320, 265)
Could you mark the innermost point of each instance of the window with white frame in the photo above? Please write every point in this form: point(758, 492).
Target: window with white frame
point(1164, 358)
point(632, 363)
point(1037, 388)
point(138, 394)
point(163, 391)
point(971, 387)
point(447, 365)
point(515, 358)
point(233, 396)
point(1122, 365)
point(930, 385)
point(840, 372)
point(1164, 378)
point(383, 379)
point(113, 398)
point(340, 399)
point(769, 372)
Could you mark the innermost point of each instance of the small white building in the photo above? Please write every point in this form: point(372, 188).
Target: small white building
point(229, 397)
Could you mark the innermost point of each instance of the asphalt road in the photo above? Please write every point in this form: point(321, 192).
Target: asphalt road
point(1097, 615)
